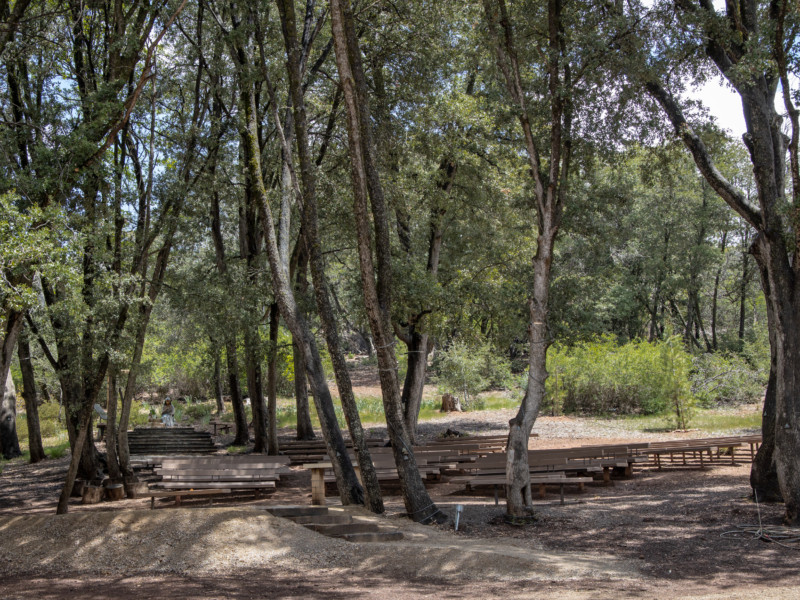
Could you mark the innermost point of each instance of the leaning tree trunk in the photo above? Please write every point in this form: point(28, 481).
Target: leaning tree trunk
point(377, 297)
point(310, 224)
point(31, 401)
point(350, 490)
point(80, 441)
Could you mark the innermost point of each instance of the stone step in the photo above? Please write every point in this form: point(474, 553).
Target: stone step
point(375, 536)
point(343, 529)
point(327, 519)
point(297, 511)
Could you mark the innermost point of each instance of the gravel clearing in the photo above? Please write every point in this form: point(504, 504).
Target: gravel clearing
point(215, 541)
point(656, 535)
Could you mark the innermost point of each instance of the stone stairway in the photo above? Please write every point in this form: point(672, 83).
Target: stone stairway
point(337, 523)
point(169, 440)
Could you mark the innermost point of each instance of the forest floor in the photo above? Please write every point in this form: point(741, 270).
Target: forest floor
point(660, 534)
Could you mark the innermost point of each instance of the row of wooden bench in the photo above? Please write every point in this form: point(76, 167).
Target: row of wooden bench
point(474, 462)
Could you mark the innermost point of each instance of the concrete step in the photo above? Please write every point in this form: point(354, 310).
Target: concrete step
point(328, 519)
point(375, 536)
point(297, 511)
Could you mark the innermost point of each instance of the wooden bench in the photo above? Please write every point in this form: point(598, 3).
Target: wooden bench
point(178, 494)
point(222, 426)
point(253, 473)
point(542, 480)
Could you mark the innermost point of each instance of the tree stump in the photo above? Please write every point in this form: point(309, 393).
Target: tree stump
point(136, 489)
point(450, 403)
point(115, 491)
point(92, 494)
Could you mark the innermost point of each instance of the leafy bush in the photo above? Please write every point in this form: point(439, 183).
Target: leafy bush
point(198, 411)
point(602, 377)
point(728, 378)
point(466, 370)
point(51, 420)
point(675, 385)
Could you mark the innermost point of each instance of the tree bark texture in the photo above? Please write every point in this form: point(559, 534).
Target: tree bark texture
point(112, 458)
point(305, 430)
point(31, 399)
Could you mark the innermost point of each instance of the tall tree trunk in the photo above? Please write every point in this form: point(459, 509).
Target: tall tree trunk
point(518, 487)
point(776, 245)
point(31, 401)
point(305, 430)
point(272, 380)
point(369, 478)
point(550, 186)
point(350, 490)
point(377, 297)
point(414, 384)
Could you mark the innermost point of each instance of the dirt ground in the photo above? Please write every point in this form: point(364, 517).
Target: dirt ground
point(659, 534)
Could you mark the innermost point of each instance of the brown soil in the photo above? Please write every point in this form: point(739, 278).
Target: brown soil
point(659, 534)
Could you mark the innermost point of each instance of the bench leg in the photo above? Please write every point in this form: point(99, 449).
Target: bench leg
point(542, 490)
point(152, 502)
point(606, 475)
point(177, 500)
point(561, 490)
point(496, 499)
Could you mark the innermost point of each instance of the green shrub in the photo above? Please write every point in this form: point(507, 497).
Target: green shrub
point(198, 411)
point(674, 384)
point(51, 420)
point(603, 377)
point(722, 377)
point(466, 370)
